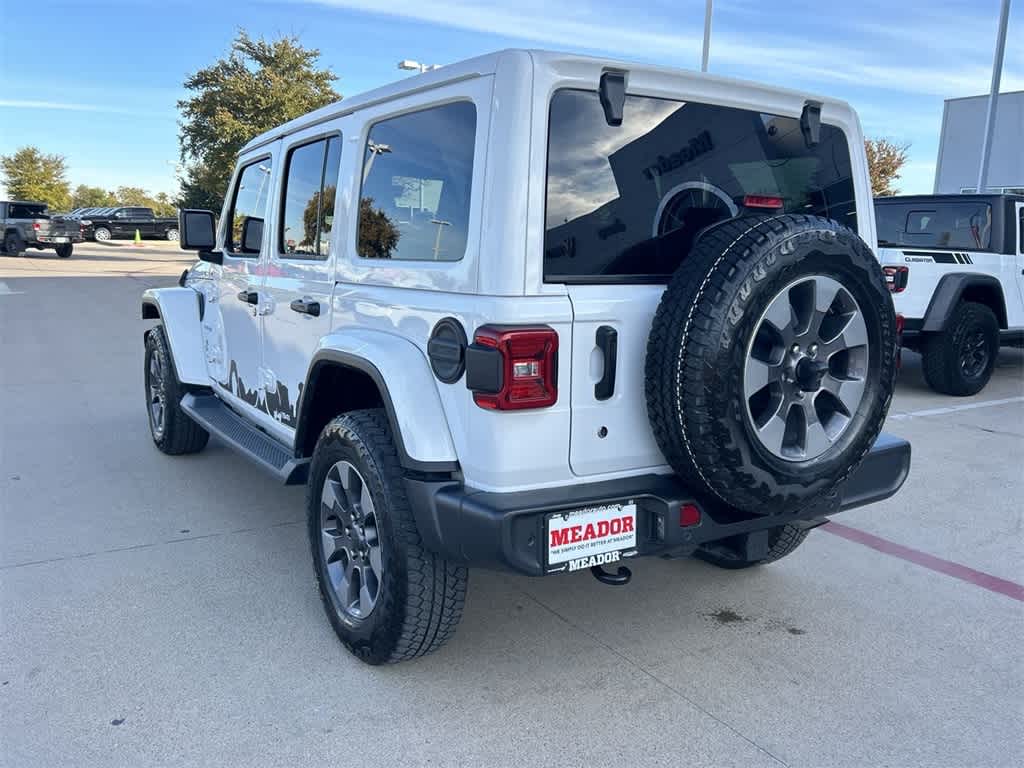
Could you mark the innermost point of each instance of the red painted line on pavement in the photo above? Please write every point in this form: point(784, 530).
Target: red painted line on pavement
point(978, 578)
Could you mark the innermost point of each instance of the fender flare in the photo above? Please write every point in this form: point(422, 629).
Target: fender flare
point(179, 311)
point(948, 293)
point(407, 387)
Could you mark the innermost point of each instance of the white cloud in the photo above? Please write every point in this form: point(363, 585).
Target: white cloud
point(872, 63)
point(35, 104)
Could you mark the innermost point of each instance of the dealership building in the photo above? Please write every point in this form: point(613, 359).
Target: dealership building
point(963, 128)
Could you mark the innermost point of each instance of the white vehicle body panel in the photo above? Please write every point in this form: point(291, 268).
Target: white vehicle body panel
point(179, 313)
point(417, 408)
point(384, 310)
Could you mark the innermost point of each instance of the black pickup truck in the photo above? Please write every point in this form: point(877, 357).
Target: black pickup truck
point(124, 222)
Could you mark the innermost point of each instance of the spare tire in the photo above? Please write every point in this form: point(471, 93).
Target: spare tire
point(771, 362)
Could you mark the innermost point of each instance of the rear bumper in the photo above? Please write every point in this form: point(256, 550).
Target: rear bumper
point(48, 240)
point(507, 531)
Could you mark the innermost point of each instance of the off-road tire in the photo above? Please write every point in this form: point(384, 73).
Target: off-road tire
point(697, 351)
point(727, 553)
point(421, 594)
point(179, 435)
point(941, 352)
point(64, 251)
point(13, 244)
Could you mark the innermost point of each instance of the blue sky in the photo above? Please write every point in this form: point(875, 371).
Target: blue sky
point(101, 89)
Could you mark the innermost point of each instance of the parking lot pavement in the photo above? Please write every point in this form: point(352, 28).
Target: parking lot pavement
point(162, 611)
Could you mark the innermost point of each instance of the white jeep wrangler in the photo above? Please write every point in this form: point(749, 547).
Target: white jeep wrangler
point(955, 265)
point(538, 312)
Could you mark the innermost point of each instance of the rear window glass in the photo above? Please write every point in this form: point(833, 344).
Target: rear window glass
point(626, 202)
point(23, 211)
point(963, 225)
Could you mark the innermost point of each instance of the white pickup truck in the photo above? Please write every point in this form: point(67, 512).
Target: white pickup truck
point(955, 266)
point(538, 312)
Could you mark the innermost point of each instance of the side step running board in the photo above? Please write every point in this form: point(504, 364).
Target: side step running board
point(270, 454)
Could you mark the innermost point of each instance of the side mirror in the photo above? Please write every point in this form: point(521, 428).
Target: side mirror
point(252, 234)
point(196, 230)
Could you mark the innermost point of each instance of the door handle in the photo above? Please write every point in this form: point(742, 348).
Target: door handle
point(249, 297)
point(608, 342)
point(306, 307)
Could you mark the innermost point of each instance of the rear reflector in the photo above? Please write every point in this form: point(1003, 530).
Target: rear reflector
point(689, 515)
point(512, 368)
point(762, 201)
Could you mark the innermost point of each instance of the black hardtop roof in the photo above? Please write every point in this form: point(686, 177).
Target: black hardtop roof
point(25, 202)
point(949, 198)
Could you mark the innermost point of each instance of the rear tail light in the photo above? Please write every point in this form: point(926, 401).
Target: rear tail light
point(35, 225)
point(896, 278)
point(762, 201)
point(511, 368)
point(689, 515)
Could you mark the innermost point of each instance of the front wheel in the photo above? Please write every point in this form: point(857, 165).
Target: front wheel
point(757, 548)
point(387, 597)
point(172, 429)
point(959, 361)
point(64, 251)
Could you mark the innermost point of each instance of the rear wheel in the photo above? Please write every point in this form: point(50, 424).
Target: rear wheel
point(13, 244)
point(959, 360)
point(64, 251)
point(387, 597)
point(750, 549)
point(102, 234)
point(172, 234)
point(172, 429)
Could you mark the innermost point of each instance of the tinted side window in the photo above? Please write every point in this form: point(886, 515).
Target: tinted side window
point(417, 174)
point(1020, 230)
point(966, 225)
point(627, 202)
point(249, 201)
point(311, 181)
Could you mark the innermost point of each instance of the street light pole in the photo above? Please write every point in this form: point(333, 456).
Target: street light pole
point(993, 98)
point(437, 241)
point(707, 36)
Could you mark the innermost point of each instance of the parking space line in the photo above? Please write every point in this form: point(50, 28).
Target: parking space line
point(954, 408)
point(5, 291)
point(978, 578)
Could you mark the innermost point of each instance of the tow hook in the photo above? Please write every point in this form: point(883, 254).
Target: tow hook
point(619, 579)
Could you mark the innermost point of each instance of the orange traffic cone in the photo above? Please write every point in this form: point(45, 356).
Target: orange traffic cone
point(138, 239)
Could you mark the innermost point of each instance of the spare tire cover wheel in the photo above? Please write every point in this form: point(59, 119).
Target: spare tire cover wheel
point(771, 361)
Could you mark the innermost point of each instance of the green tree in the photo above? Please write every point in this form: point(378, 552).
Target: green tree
point(378, 235)
point(85, 196)
point(885, 160)
point(259, 85)
point(31, 175)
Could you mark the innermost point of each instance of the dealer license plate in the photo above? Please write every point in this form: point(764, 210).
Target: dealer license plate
point(60, 239)
point(583, 538)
